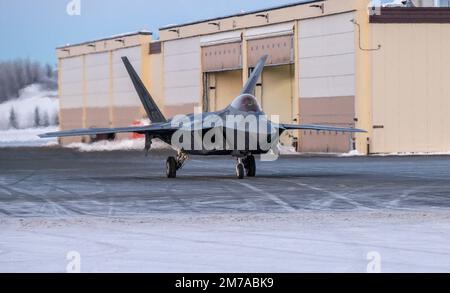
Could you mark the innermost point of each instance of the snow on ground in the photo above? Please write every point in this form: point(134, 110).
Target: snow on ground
point(291, 242)
point(353, 153)
point(117, 145)
point(138, 144)
point(287, 150)
point(34, 105)
point(26, 137)
point(408, 154)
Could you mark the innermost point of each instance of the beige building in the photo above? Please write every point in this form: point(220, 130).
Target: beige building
point(94, 87)
point(330, 62)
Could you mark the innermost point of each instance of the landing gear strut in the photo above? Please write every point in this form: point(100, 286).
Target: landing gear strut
point(175, 164)
point(246, 166)
point(240, 169)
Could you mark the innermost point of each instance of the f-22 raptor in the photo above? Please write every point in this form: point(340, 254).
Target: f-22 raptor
point(242, 130)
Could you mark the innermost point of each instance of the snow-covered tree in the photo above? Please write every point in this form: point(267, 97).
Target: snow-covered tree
point(20, 73)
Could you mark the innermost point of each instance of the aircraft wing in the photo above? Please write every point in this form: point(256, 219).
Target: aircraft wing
point(320, 128)
point(154, 129)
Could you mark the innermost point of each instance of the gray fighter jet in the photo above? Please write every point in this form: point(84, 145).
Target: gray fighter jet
point(242, 130)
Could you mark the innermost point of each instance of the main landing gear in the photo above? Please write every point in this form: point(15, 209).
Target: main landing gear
point(175, 164)
point(246, 166)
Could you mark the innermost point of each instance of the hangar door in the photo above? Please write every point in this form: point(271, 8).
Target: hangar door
point(126, 104)
point(98, 101)
point(72, 108)
point(327, 80)
point(72, 96)
point(222, 69)
point(182, 76)
point(275, 91)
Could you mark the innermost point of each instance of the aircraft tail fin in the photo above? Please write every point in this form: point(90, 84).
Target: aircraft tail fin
point(151, 108)
point(249, 87)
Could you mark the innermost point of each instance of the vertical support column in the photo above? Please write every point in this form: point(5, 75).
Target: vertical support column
point(111, 88)
point(201, 103)
point(85, 97)
point(363, 78)
point(212, 92)
point(206, 104)
point(244, 59)
point(296, 98)
point(163, 80)
point(145, 70)
point(60, 117)
point(259, 90)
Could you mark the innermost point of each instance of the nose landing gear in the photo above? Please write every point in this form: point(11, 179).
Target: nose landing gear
point(175, 164)
point(247, 165)
point(240, 170)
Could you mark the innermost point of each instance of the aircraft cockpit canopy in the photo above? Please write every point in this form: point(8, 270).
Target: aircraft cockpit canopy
point(246, 103)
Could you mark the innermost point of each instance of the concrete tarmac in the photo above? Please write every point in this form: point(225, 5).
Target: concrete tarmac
point(55, 182)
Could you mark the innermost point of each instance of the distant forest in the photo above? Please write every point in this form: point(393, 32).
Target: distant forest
point(20, 73)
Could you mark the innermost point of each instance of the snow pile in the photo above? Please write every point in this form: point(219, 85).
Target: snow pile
point(353, 153)
point(309, 242)
point(34, 108)
point(26, 137)
point(409, 154)
point(287, 150)
point(117, 145)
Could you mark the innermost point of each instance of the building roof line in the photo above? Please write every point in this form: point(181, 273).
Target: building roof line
point(241, 14)
point(144, 33)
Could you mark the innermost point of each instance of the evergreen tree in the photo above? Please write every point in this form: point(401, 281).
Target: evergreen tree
point(37, 118)
point(45, 120)
point(13, 119)
point(56, 120)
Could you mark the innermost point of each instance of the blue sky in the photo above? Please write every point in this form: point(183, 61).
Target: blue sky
point(33, 28)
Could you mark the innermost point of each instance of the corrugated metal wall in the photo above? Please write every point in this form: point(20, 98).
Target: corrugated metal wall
point(411, 88)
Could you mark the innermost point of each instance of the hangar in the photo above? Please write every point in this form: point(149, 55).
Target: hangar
point(335, 62)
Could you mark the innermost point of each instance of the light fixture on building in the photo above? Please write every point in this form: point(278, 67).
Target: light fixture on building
point(92, 46)
point(266, 16)
point(66, 50)
point(217, 24)
point(121, 41)
point(321, 6)
point(177, 31)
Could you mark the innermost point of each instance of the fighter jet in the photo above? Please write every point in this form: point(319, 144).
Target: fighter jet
point(241, 131)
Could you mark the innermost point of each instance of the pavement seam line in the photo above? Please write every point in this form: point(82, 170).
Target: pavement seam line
point(271, 196)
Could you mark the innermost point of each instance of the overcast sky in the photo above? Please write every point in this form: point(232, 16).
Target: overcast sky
point(33, 28)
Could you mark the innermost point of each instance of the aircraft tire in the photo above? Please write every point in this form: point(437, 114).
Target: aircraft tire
point(251, 166)
point(171, 167)
point(240, 171)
